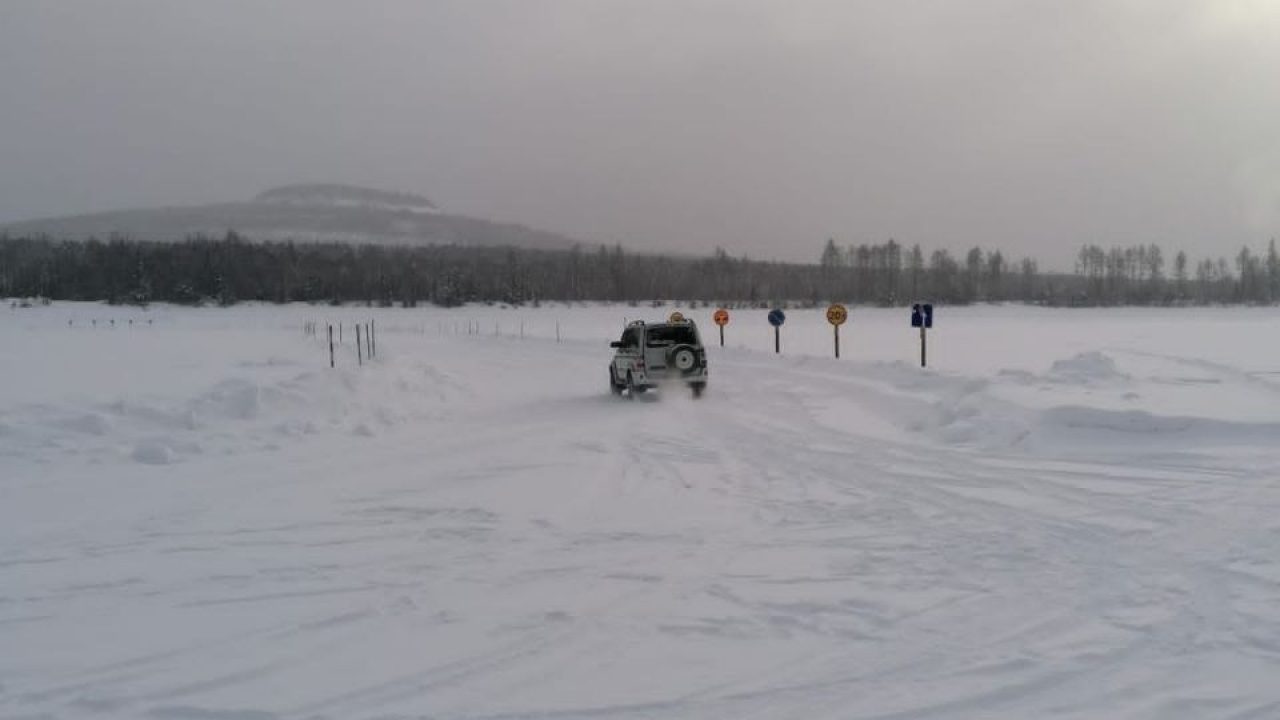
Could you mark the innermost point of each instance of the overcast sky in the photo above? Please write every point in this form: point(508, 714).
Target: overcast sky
point(763, 127)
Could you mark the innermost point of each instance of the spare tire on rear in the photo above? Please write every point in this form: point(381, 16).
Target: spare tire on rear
point(683, 358)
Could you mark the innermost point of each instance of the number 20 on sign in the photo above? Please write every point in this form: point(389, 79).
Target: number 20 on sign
point(837, 314)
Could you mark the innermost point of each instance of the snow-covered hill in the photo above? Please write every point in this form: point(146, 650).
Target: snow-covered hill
point(331, 195)
point(303, 213)
point(1073, 514)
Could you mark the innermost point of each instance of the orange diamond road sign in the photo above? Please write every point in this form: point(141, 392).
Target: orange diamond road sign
point(837, 314)
point(721, 317)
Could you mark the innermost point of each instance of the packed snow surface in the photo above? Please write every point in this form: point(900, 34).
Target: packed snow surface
point(1069, 514)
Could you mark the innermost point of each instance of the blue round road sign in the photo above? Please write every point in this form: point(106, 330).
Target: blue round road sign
point(777, 317)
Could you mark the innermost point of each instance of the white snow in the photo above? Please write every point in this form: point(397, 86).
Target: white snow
point(1070, 514)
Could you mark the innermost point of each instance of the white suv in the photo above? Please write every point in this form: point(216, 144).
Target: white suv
point(650, 353)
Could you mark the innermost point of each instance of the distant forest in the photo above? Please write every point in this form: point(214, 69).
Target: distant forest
point(230, 269)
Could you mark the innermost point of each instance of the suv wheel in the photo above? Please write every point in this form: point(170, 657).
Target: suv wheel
point(614, 386)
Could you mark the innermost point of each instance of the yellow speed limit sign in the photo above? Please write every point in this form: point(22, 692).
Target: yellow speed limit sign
point(676, 317)
point(837, 314)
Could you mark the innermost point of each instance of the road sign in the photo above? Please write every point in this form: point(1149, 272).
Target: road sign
point(676, 316)
point(721, 318)
point(837, 314)
point(776, 318)
point(922, 315)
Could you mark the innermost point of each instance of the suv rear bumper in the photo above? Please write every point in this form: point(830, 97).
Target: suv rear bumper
point(657, 379)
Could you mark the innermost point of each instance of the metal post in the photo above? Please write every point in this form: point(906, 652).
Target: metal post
point(331, 346)
point(837, 329)
point(359, 347)
point(922, 347)
point(373, 338)
point(721, 336)
point(777, 339)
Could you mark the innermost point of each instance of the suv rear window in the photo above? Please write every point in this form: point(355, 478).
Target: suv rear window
point(664, 335)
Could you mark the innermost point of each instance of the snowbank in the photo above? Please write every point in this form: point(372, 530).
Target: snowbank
point(1069, 514)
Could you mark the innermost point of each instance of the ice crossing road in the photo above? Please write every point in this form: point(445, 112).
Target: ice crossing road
point(472, 527)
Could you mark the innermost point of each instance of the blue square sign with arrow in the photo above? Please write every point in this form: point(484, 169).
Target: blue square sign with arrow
point(922, 315)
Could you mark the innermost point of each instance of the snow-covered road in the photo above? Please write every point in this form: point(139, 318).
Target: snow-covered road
point(1076, 514)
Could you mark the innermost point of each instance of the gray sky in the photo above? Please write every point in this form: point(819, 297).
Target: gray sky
point(764, 127)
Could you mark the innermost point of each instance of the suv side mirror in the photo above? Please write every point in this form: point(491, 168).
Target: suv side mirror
point(615, 344)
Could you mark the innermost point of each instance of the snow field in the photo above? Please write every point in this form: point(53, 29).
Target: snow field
point(1071, 514)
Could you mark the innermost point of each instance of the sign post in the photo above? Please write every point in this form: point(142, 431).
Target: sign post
point(776, 318)
point(837, 314)
point(721, 318)
point(922, 317)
